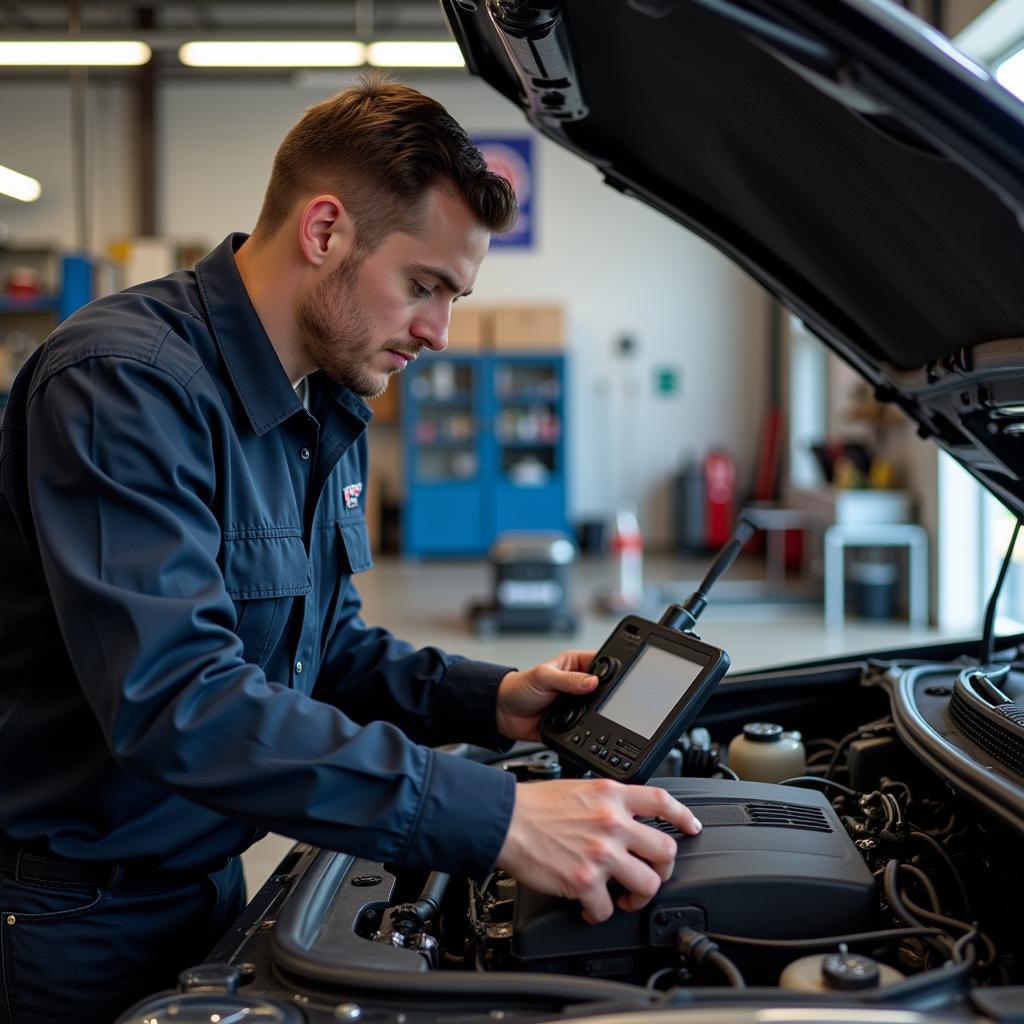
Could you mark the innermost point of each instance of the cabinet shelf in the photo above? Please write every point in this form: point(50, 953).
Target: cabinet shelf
point(461, 494)
point(528, 398)
point(527, 445)
point(442, 445)
point(27, 320)
point(462, 402)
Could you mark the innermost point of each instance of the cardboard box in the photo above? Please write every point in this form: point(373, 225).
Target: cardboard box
point(528, 327)
point(467, 329)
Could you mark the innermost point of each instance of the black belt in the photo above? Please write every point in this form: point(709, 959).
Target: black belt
point(46, 869)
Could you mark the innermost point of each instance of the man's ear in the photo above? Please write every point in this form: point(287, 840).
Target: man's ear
point(326, 231)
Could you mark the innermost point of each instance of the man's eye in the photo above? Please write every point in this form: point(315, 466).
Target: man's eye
point(421, 291)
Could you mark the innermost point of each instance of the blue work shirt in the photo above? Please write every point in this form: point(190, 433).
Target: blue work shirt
point(183, 665)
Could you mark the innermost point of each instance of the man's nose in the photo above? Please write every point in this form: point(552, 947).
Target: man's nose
point(431, 326)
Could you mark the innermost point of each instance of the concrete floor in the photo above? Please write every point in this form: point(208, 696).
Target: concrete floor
point(426, 602)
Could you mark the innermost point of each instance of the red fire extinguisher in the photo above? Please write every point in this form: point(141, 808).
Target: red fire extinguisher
point(720, 497)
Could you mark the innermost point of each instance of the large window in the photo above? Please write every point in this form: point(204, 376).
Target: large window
point(975, 528)
point(998, 530)
point(1010, 73)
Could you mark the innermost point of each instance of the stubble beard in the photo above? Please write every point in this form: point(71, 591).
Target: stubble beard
point(337, 337)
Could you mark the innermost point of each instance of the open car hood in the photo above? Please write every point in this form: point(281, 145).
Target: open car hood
point(864, 171)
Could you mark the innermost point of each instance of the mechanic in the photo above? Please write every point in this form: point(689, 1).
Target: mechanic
point(183, 663)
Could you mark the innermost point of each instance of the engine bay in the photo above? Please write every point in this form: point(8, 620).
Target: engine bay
point(867, 873)
point(885, 875)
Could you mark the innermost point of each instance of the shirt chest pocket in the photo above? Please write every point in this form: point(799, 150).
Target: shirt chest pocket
point(264, 571)
point(354, 546)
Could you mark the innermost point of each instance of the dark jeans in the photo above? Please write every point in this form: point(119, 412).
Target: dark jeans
point(82, 954)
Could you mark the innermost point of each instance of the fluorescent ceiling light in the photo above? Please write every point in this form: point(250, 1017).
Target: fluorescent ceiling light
point(298, 54)
point(415, 55)
point(19, 186)
point(1010, 74)
point(73, 52)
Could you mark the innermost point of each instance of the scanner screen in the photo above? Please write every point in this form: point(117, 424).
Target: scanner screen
point(651, 689)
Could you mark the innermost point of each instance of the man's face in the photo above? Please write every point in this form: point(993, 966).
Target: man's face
point(376, 312)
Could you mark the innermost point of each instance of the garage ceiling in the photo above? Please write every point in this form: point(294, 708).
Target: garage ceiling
point(333, 16)
point(223, 18)
point(166, 24)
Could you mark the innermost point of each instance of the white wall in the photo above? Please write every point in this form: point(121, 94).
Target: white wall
point(617, 267)
point(35, 139)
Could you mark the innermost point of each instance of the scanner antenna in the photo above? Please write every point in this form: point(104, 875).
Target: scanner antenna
point(683, 617)
point(988, 635)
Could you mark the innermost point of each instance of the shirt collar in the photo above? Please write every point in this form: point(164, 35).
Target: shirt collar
point(252, 363)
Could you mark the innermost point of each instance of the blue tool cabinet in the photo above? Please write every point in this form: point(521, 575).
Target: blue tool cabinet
point(27, 319)
point(484, 439)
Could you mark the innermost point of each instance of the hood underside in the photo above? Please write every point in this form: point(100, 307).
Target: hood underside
point(848, 157)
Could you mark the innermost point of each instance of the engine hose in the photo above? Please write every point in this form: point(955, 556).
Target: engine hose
point(413, 917)
point(696, 946)
point(727, 967)
point(926, 884)
point(940, 852)
point(942, 945)
point(826, 941)
point(952, 923)
point(429, 902)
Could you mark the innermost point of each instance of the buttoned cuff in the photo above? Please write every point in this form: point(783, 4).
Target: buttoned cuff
point(463, 816)
point(467, 705)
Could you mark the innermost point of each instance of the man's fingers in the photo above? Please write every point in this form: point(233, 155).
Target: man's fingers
point(582, 682)
point(596, 903)
point(654, 802)
point(630, 901)
point(641, 881)
point(573, 837)
point(562, 681)
point(575, 661)
point(653, 846)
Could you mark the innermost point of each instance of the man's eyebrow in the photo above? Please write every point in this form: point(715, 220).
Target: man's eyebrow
point(442, 276)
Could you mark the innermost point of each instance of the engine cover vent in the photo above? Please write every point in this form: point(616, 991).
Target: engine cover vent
point(780, 815)
point(767, 813)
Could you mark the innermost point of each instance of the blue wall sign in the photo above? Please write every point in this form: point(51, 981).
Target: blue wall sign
point(512, 158)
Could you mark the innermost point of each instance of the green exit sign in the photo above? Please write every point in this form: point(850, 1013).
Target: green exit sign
point(666, 380)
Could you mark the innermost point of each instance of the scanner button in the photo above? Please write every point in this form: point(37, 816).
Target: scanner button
point(626, 765)
point(576, 740)
point(604, 668)
point(564, 718)
point(615, 761)
point(602, 740)
point(603, 753)
point(594, 747)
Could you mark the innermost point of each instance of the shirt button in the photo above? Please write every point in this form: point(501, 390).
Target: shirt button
point(303, 453)
point(298, 668)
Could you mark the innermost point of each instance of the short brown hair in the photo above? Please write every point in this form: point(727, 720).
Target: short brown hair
point(381, 146)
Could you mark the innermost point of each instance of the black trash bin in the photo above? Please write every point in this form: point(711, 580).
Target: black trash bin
point(873, 586)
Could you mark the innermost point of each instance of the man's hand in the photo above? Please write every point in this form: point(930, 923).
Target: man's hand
point(572, 837)
point(523, 697)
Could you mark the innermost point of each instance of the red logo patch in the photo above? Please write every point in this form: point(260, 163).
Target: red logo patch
point(351, 493)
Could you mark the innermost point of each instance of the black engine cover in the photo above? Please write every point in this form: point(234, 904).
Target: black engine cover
point(771, 862)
